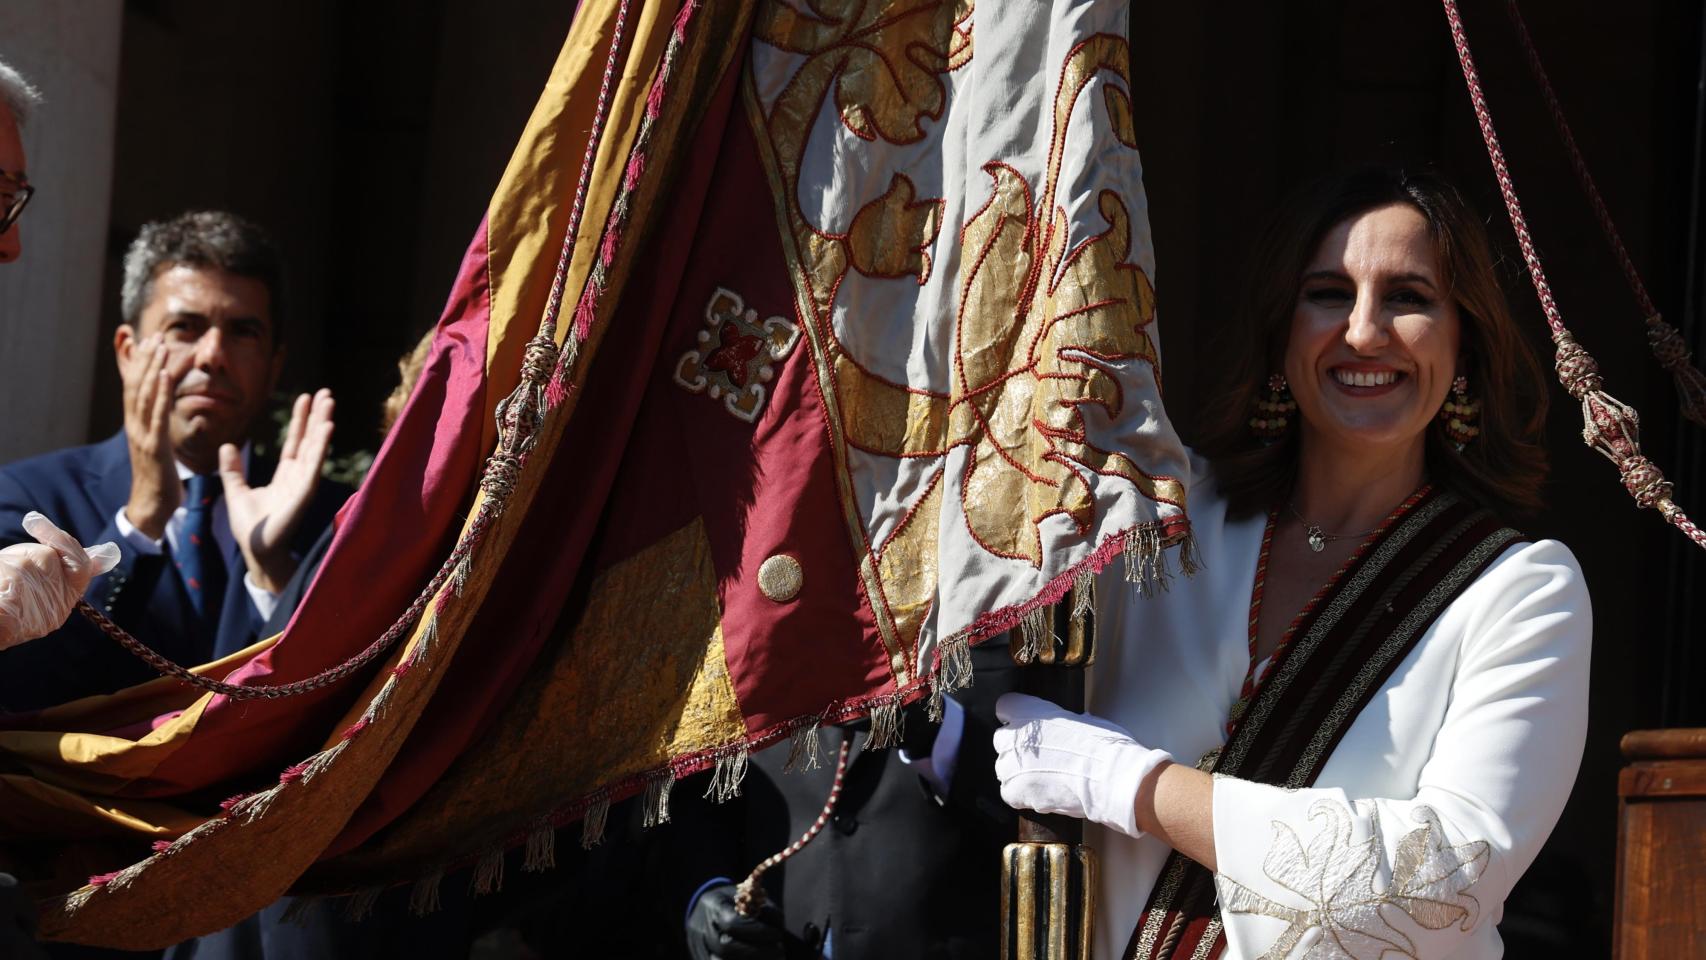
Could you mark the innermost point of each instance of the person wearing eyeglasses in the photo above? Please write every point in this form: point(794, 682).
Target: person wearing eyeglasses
point(16, 99)
point(39, 582)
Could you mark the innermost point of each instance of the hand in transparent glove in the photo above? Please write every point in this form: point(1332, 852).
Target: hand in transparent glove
point(1052, 760)
point(41, 582)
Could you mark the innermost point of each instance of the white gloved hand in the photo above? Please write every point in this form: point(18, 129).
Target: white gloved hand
point(1055, 761)
point(40, 582)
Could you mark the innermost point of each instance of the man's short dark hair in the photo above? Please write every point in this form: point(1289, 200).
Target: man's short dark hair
point(210, 239)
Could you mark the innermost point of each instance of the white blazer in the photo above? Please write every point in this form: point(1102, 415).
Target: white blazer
point(1450, 779)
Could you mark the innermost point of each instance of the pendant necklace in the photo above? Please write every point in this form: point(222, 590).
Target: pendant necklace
point(1318, 538)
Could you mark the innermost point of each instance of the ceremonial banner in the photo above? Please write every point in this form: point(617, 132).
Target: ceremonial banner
point(829, 352)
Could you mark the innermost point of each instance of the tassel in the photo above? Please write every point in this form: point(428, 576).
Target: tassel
point(726, 776)
point(119, 879)
point(592, 824)
point(607, 249)
point(557, 390)
point(297, 913)
point(459, 578)
point(489, 874)
point(585, 313)
point(1083, 594)
point(541, 848)
point(429, 638)
point(657, 798)
point(956, 663)
point(423, 899)
point(1034, 624)
point(934, 708)
point(804, 749)
point(887, 725)
point(320, 762)
point(258, 804)
point(1189, 564)
point(360, 905)
point(78, 899)
point(1142, 557)
point(1673, 354)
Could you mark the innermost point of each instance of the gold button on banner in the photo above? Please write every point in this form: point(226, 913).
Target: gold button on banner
point(780, 578)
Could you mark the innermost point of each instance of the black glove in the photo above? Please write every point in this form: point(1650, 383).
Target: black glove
point(717, 931)
point(17, 922)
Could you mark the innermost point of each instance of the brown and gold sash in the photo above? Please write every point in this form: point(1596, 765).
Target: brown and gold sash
point(1345, 649)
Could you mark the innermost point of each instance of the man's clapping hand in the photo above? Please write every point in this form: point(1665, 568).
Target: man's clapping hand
point(263, 518)
point(151, 379)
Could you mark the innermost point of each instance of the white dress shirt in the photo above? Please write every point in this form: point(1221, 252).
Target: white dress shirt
point(1450, 778)
point(264, 601)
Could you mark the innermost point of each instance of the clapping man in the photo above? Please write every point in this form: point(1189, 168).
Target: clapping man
point(208, 534)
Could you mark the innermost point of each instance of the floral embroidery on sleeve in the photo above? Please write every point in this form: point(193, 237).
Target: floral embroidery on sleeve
point(1337, 876)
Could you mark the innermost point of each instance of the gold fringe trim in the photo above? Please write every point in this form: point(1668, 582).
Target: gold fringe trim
point(571, 351)
point(1035, 624)
point(128, 875)
point(1189, 563)
point(320, 762)
point(423, 899)
point(429, 639)
point(1083, 594)
point(489, 873)
point(1143, 563)
point(541, 849)
point(657, 798)
point(727, 775)
point(887, 725)
point(953, 672)
point(592, 824)
point(79, 898)
point(459, 577)
point(804, 750)
point(256, 805)
point(360, 905)
point(297, 913)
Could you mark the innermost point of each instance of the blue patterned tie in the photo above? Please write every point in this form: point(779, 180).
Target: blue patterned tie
point(199, 562)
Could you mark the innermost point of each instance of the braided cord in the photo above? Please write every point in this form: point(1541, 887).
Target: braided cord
point(1608, 425)
point(324, 678)
point(749, 896)
point(1579, 164)
point(520, 417)
point(1667, 343)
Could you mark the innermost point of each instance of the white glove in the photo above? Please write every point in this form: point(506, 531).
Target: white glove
point(1055, 761)
point(40, 582)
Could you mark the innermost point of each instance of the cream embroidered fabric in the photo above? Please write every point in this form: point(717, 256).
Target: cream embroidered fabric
point(965, 222)
point(1341, 881)
point(1434, 803)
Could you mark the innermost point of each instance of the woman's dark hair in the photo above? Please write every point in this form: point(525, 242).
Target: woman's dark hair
point(1503, 468)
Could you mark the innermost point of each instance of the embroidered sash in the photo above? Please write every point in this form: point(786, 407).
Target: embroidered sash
point(1344, 650)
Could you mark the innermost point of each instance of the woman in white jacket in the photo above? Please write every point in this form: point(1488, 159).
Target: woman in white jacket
point(1349, 735)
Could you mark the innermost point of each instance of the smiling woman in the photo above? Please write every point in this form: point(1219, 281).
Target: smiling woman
point(1421, 253)
point(1365, 759)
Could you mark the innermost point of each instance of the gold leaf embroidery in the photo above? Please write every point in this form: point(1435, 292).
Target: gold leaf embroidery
point(1337, 876)
point(886, 59)
point(891, 235)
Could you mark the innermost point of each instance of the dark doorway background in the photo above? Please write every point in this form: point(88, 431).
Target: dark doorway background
point(368, 137)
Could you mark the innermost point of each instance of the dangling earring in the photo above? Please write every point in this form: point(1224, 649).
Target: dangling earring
point(1273, 412)
point(1461, 414)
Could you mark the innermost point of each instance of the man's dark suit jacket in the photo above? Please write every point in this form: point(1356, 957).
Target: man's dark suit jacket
point(81, 489)
point(898, 874)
